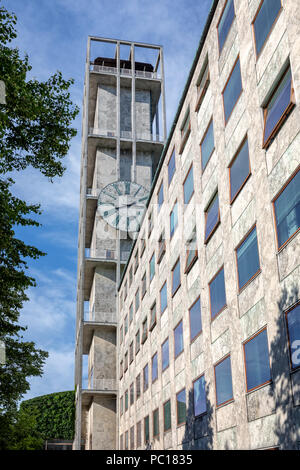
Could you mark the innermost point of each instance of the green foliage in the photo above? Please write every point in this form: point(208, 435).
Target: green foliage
point(55, 414)
point(22, 433)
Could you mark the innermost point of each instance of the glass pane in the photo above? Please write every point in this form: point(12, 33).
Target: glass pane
point(154, 368)
point(146, 424)
point(199, 396)
point(126, 400)
point(232, 91)
point(257, 361)
point(163, 298)
point(165, 354)
point(145, 372)
point(131, 313)
point(171, 167)
point(212, 216)
point(181, 407)
point(225, 23)
point(207, 145)
point(293, 320)
point(176, 277)
point(278, 104)
point(137, 300)
point(186, 125)
point(126, 324)
point(247, 258)
point(153, 316)
point(155, 423)
point(287, 210)
point(161, 195)
point(223, 381)
point(188, 186)
point(239, 170)
point(264, 21)
point(195, 319)
point(173, 220)
point(178, 339)
point(152, 267)
point(167, 415)
point(217, 294)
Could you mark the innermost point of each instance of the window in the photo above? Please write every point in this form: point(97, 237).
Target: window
point(126, 400)
point(287, 210)
point(160, 196)
point(188, 186)
point(191, 251)
point(155, 418)
point(207, 145)
point(144, 285)
point(121, 405)
point(130, 276)
point(173, 219)
point(202, 84)
point(137, 341)
point(247, 258)
point(138, 386)
point(150, 223)
point(139, 434)
point(195, 319)
point(217, 294)
point(143, 245)
point(125, 290)
point(239, 170)
point(161, 247)
point(181, 407)
point(137, 300)
point(171, 167)
point(145, 378)
point(132, 438)
point(126, 325)
point(185, 130)
point(225, 23)
point(136, 261)
point(152, 317)
point(176, 277)
point(131, 313)
point(131, 353)
point(178, 339)
point(152, 267)
point(121, 334)
point(163, 298)
point(167, 415)
point(126, 440)
point(199, 394)
point(257, 361)
point(232, 90)
point(212, 217)
point(165, 354)
point(154, 368)
point(121, 442)
point(223, 380)
point(146, 429)
point(126, 362)
point(121, 369)
point(144, 331)
point(293, 325)
point(131, 394)
point(278, 107)
point(264, 20)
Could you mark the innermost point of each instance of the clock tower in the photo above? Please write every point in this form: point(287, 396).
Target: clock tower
point(123, 114)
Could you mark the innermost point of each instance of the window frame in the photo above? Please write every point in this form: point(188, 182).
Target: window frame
point(184, 181)
point(279, 248)
point(161, 246)
point(193, 384)
point(201, 93)
point(236, 155)
point(175, 226)
point(295, 305)
point(165, 368)
point(224, 306)
point(182, 351)
point(155, 436)
point(218, 405)
point(238, 98)
point(172, 271)
point(269, 33)
point(221, 15)
point(164, 403)
point(145, 388)
point(183, 422)
point(185, 135)
point(152, 324)
point(240, 289)
point(156, 378)
point(248, 390)
point(213, 230)
point(199, 332)
point(189, 266)
point(161, 187)
point(201, 142)
point(170, 180)
point(163, 311)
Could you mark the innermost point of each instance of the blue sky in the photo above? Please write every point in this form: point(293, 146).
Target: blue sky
point(54, 35)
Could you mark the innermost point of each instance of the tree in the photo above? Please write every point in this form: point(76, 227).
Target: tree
point(35, 130)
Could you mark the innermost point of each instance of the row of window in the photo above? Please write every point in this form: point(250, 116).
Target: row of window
point(257, 374)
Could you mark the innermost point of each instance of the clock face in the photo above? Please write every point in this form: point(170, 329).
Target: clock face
point(122, 203)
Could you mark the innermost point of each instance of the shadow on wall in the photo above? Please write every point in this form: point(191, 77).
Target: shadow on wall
point(287, 426)
point(198, 430)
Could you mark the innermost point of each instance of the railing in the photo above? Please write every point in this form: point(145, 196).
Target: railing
point(103, 384)
point(101, 317)
point(114, 70)
point(147, 136)
point(106, 254)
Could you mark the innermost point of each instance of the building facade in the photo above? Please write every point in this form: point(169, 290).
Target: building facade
point(208, 328)
point(121, 145)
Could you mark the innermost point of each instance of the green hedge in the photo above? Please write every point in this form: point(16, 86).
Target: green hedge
point(55, 414)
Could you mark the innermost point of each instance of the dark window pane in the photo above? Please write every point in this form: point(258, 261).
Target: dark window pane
point(278, 104)
point(199, 396)
point(171, 167)
point(145, 377)
point(223, 381)
point(247, 258)
point(126, 325)
point(126, 440)
point(152, 267)
point(126, 400)
point(212, 216)
point(175, 277)
point(146, 429)
point(188, 186)
point(293, 321)
point(178, 339)
point(132, 438)
point(207, 145)
point(239, 170)
point(138, 386)
point(257, 361)
point(155, 423)
point(165, 354)
point(195, 319)
point(153, 316)
point(137, 342)
point(181, 407)
point(287, 210)
point(225, 23)
point(217, 294)
point(131, 313)
point(160, 195)
point(139, 434)
point(173, 220)
point(167, 415)
point(264, 21)
point(131, 394)
point(232, 91)
point(163, 298)
point(154, 367)
point(137, 300)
